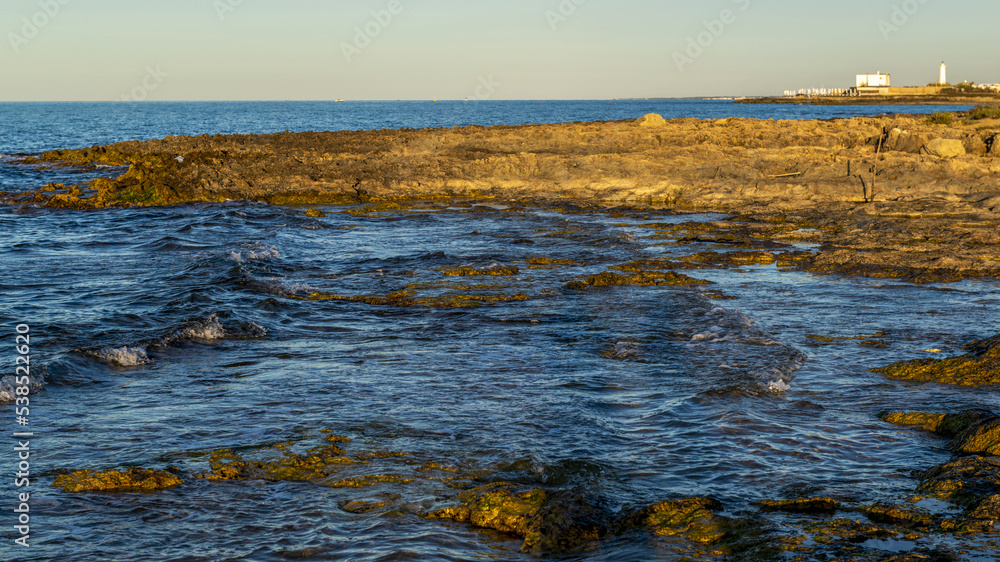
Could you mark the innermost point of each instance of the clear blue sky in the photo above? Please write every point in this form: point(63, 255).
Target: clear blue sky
point(447, 49)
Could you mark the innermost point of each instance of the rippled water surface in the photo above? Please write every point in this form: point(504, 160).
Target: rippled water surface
point(166, 334)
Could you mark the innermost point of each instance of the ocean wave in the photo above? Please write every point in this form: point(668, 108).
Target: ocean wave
point(765, 372)
point(254, 252)
point(624, 350)
point(8, 386)
point(212, 329)
point(278, 285)
point(124, 356)
point(208, 330)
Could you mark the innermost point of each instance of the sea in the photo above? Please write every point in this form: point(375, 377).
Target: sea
point(161, 336)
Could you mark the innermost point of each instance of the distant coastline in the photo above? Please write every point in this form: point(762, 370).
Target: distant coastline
point(878, 100)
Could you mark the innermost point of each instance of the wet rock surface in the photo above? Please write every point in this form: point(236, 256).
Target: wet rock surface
point(129, 480)
point(690, 163)
point(980, 367)
point(853, 189)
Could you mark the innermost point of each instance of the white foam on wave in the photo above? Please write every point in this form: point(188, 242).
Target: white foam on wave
point(625, 350)
point(209, 330)
point(8, 386)
point(257, 251)
point(124, 356)
point(212, 329)
point(733, 326)
point(279, 285)
point(253, 330)
point(778, 387)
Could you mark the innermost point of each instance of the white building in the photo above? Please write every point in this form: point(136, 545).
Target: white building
point(877, 80)
point(944, 75)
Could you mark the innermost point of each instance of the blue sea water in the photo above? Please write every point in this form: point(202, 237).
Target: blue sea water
point(164, 334)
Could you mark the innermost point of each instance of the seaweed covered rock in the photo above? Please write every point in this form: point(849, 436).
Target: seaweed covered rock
point(945, 425)
point(549, 522)
point(281, 464)
point(731, 259)
point(981, 438)
point(495, 271)
point(966, 481)
point(496, 506)
point(566, 522)
point(694, 518)
point(803, 505)
point(979, 367)
point(643, 278)
point(131, 480)
point(900, 515)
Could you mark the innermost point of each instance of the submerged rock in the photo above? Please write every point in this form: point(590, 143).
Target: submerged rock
point(980, 367)
point(966, 481)
point(901, 515)
point(982, 438)
point(498, 271)
point(549, 522)
point(643, 278)
point(945, 425)
point(806, 505)
point(561, 522)
point(731, 259)
point(695, 518)
point(130, 480)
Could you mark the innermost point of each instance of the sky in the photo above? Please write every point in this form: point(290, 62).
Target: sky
point(157, 50)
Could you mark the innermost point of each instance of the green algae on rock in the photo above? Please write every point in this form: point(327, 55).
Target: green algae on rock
point(979, 367)
point(279, 463)
point(561, 522)
point(982, 438)
point(645, 278)
point(965, 481)
point(900, 515)
point(694, 518)
point(130, 480)
point(499, 271)
point(498, 506)
point(410, 299)
point(549, 522)
point(543, 262)
point(802, 505)
point(731, 259)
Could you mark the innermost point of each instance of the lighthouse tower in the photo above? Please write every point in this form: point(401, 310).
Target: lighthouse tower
point(944, 75)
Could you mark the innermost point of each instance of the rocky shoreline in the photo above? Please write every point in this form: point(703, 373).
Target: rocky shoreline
point(890, 197)
point(723, 164)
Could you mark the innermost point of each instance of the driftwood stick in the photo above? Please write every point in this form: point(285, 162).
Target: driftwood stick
point(878, 151)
